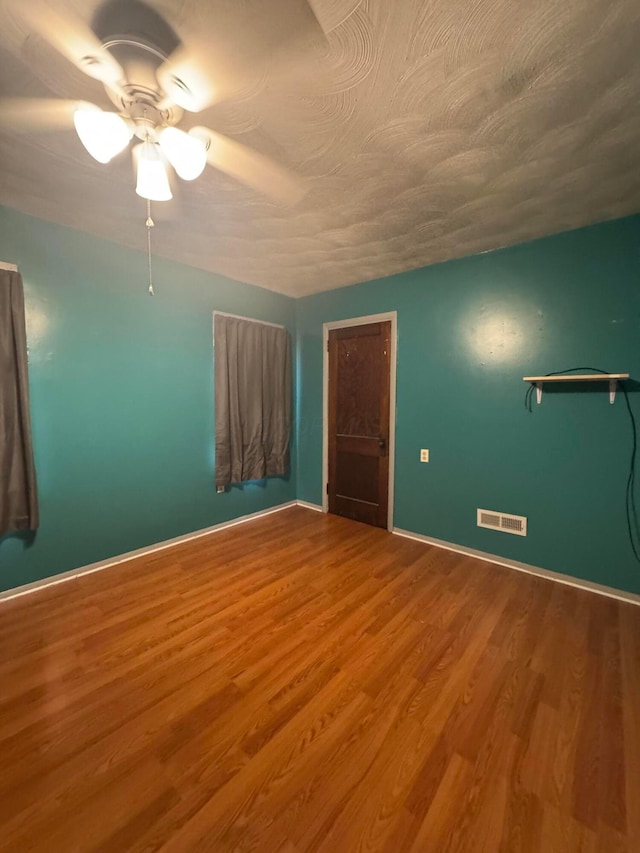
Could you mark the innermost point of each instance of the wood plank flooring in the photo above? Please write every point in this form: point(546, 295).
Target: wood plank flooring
point(307, 683)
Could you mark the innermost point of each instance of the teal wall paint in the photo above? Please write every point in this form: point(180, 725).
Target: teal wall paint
point(468, 331)
point(121, 397)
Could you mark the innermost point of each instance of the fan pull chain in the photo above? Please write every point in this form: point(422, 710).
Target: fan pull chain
point(150, 224)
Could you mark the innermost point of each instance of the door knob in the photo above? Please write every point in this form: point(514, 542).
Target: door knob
point(382, 443)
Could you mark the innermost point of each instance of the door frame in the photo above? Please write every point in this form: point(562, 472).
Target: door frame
point(343, 324)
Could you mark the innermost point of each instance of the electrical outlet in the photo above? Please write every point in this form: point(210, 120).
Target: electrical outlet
point(424, 455)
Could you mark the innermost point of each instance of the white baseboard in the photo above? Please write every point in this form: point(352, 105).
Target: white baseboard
point(568, 580)
point(600, 589)
point(307, 505)
point(140, 552)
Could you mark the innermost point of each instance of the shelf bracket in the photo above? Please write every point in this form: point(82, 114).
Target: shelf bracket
point(613, 385)
point(538, 392)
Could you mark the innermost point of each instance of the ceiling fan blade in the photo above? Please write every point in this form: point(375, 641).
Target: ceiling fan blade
point(25, 114)
point(188, 80)
point(231, 46)
point(253, 169)
point(74, 39)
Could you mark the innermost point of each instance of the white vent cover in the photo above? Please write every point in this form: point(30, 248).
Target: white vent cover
point(502, 521)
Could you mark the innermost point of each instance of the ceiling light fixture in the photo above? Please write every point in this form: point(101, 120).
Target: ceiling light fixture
point(152, 183)
point(103, 134)
point(150, 79)
point(186, 153)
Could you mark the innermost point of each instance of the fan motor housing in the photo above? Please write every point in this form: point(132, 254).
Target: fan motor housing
point(140, 40)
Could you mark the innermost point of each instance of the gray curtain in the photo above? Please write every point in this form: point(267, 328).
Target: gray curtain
point(18, 494)
point(252, 400)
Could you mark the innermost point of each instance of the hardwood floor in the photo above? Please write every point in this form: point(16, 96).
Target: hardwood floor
point(304, 682)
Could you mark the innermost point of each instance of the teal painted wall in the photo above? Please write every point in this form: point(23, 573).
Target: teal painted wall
point(122, 408)
point(121, 397)
point(468, 331)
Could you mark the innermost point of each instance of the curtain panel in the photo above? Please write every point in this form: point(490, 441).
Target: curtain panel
point(18, 493)
point(252, 400)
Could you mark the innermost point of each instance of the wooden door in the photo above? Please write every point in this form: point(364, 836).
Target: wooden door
point(359, 380)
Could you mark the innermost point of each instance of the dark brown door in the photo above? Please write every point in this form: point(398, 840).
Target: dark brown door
point(359, 377)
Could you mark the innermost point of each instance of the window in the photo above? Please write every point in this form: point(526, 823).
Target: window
point(18, 494)
point(252, 399)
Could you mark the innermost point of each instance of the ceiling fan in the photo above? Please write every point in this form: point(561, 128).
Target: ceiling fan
point(152, 77)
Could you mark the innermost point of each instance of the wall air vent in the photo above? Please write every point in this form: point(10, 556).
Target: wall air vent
point(502, 521)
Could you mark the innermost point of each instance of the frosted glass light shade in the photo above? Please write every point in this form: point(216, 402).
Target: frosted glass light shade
point(187, 155)
point(103, 134)
point(152, 182)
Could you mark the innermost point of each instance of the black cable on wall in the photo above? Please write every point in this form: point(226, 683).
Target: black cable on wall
point(630, 496)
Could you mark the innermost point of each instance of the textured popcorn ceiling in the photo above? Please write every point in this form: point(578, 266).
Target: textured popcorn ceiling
point(428, 129)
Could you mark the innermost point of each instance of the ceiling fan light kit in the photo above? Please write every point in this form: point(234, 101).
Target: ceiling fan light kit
point(103, 134)
point(186, 153)
point(152, 181)
point(151, 77)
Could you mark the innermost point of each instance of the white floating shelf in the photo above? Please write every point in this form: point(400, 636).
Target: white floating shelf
point(611, 378)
